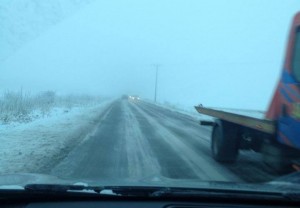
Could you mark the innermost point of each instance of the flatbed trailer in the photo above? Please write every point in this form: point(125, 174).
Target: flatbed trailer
point(264, 125)
point(277, 135)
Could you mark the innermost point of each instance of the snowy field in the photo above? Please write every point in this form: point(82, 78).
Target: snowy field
point(30, 146)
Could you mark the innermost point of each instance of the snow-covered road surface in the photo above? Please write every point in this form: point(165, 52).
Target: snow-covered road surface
point(138, 140)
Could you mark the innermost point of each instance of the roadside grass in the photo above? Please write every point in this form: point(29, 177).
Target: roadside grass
point(20, 106)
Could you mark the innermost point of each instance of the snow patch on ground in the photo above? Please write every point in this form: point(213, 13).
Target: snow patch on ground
point(30, 147)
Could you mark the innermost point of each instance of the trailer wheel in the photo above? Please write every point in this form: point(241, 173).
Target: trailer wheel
point(224, 142)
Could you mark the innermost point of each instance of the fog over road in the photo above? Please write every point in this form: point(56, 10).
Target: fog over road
point(139, 140)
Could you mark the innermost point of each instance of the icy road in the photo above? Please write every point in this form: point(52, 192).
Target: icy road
point(138, 140)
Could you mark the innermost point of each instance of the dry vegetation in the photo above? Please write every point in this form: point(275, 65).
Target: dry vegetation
point(23, 106)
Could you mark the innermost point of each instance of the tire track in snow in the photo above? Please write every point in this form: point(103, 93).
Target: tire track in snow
point(70, 166)
point(192, 130)
point(141, 160)
point(202, 167)
point(177, 117)
point(193, 136)
point(172, 165)
point(116, 150)
point(249, 166)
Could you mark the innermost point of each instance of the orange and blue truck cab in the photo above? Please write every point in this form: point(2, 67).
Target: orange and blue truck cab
point(285, 105)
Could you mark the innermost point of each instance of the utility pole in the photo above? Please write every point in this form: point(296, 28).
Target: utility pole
point(156, 76)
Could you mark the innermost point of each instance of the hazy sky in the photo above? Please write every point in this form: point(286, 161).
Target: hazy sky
point(225, 53)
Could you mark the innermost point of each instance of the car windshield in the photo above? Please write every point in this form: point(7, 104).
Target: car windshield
point(114, 92)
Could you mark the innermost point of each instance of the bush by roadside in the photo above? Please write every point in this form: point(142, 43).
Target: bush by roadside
point(22, 106)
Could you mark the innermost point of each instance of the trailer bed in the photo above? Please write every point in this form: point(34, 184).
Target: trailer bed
point(255, 122)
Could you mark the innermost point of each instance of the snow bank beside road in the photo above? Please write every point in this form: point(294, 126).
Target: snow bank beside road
point(38, 145)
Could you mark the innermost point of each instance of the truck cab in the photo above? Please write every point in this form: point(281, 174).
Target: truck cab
point(277, 136)
point(285, 105)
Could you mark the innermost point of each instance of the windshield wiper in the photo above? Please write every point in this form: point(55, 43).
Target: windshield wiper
point(61, 188)
point(141, 191)
point(209, 193)
point(111, 190)
point(162, 192)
